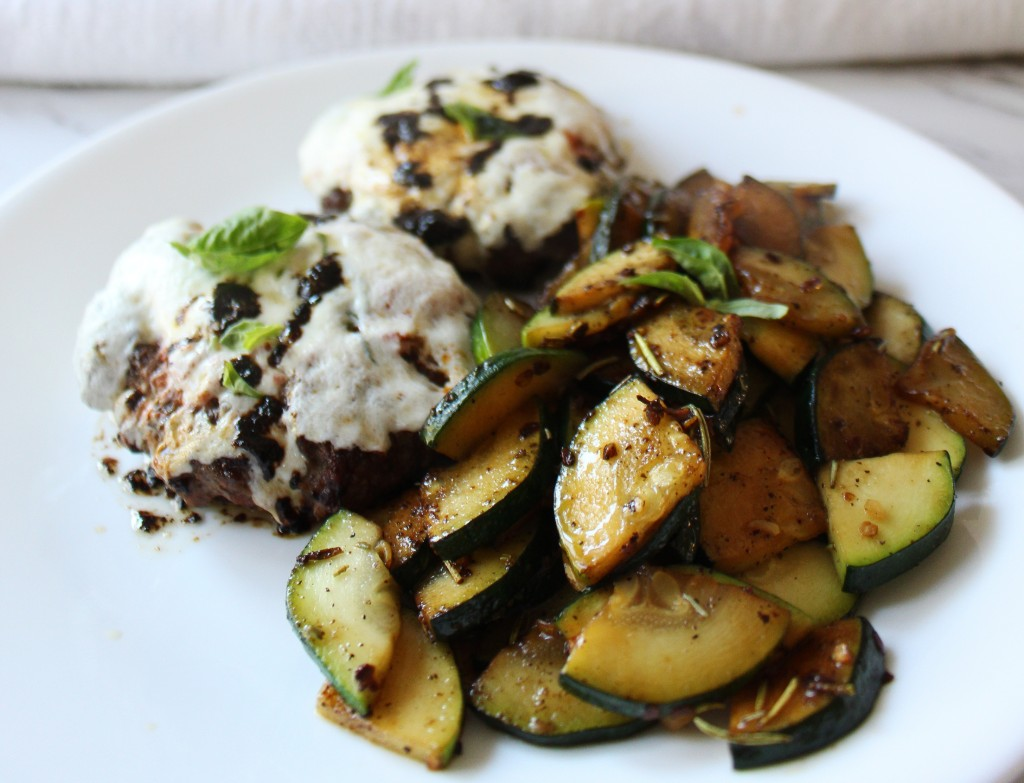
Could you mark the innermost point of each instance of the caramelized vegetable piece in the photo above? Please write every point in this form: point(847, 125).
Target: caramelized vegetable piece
point(949, 378)
point(560, 330)
point(786, 351)
point(691, 353)
point(479, 402)
point(816, 304)
point(419, 710)
point(764, 218)
point(519, 692)
point(898, 325)
point(837, 251)
point(668, 638)
point(804, 575)
point(473, 590)
point(629, 471)
point(712, 214)
point(809, 200)
point(819, 692)
point(470, 502)
point(850, 406)
point(758, 501)
point(594, 285)
point(404, 528)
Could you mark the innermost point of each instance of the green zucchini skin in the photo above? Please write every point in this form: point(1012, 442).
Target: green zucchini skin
point(646, 650)
point(848, 407)
point(492, 390)
point(527, 561)
point(344, 605)
point(840, 717)
point(693, 356)
point(916, 511)
point(519, 694)
point(505, 504)
point(420, 709)
point(629, 466)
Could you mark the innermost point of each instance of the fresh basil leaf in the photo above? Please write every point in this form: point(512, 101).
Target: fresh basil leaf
point(402, 79)
point(709, 265)
point(232, 381)
point(770, 311)
point(670, 281)
point(484, 126)
point(245, 241)
point(246, 335)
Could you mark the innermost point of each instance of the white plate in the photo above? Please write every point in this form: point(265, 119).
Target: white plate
point(168, 656)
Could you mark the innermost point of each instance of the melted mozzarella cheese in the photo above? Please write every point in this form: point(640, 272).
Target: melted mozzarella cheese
point(529, 186)
point(344, 381)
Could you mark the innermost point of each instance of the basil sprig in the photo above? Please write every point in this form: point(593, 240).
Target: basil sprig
point(402, 79)
point(704, 262)
point(244, 242)
point(709, 279)
point(232, 381)
point(246, 335)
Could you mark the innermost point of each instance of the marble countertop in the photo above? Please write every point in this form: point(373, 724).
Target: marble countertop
point(973, 109)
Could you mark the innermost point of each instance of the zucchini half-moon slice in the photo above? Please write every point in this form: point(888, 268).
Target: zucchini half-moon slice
point(457, 596)
point(419, 710)
point(819, 692)
point(472, 501)
point(670, 638)
point(886, 514)
point(849, 407)
point(492, 390)
point(804, 575)
point(344, 605)
point(628, 467)
point(519, 693)
point(693, 356)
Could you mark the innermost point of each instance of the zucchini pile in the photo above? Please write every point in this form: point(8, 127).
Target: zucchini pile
point(660, 493)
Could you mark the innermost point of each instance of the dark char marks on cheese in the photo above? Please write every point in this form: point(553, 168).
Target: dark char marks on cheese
point(400, 128)
point(512, 82)
point(233, 302)
point(252, 434)
point(434, 226)
point(324, 276)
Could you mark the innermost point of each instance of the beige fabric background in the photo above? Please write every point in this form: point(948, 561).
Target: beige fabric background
point(187, 41)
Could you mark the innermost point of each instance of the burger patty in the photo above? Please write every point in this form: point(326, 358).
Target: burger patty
point(364, 330)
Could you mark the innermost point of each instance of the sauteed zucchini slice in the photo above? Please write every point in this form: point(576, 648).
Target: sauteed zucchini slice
point(850, 407)
point(886, 514)
point(628, 467)
point(418, 712)
point(469, 592)
point(469, 503)
point(759, 500)
point(816, 304)
point(344, 606)
point(495, 388)
point(804, 575)
point(519, 692)
point(817, 693)
point(947, 377)
point(668, 638)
